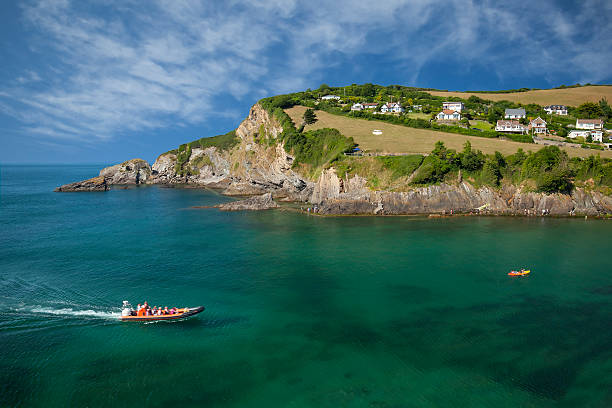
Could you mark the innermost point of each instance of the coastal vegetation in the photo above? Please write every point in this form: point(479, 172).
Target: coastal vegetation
point(312, 149)
point(548, 170)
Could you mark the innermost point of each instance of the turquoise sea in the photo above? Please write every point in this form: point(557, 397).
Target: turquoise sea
point(301, 311)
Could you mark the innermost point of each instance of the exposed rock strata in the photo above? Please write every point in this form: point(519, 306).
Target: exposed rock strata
point(262, 202)
point(256, 165)
point(259, 164)
point(93, 184)
point(336, 196)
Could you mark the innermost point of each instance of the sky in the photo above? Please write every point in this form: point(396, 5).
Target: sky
point(103, 81)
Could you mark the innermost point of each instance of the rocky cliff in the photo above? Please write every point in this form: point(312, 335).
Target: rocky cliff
point(257, 163)
point(333, 195)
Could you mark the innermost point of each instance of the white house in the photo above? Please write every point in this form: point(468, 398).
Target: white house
point(510, 126)
point(556, 109)
point(589, 124)
point(538, 125)
point(357, 107)
point(368, 105)
point(454, 106)
point(392, 107)
point(596, 135)
point(448, 114)
point(417, 107)
point(328, 97)
point(515, 114)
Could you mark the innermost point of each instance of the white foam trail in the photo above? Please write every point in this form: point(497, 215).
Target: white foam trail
point(71, 312)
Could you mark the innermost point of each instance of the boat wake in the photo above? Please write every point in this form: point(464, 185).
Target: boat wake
point(77, 313)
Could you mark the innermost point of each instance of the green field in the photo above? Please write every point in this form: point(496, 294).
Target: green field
point(401, 139)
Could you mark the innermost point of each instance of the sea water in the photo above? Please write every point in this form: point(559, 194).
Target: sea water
point(301, 311)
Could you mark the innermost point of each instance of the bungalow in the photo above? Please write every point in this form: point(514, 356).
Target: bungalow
point(454, 106)
point(448, 114)
point(556, 109)
point(596, 135)
point(392, 107)
point(328, 97)
point(589, 124)
point(357, 107)
point(367, 105)
point(515, 114)
point(510, 126)
point(538, 125)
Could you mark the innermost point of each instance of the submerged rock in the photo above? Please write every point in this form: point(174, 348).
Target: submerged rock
point(262, 202)
point(93, 184)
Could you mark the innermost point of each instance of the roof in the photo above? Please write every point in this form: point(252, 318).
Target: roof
point(593, 121)
point(448, 112)
point(515, 111)
point(538, 121)
point(452, 102)
point(556, 107)
point(508, 123)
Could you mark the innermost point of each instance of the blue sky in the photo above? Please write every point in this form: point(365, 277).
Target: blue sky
point(103, 81)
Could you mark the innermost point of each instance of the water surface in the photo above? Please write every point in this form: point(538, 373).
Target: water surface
point(301, 310)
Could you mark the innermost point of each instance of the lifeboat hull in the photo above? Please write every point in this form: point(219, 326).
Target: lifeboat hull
point(182, 313)
point(519, 273)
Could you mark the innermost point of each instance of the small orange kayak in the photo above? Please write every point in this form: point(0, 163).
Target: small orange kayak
point(522, 272)
point(181, 314)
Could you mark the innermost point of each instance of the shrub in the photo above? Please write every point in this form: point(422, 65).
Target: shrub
point(431, 171)
point(401, 166)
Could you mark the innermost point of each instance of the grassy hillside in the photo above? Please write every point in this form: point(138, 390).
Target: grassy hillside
point(401, 139)
point(567, 96)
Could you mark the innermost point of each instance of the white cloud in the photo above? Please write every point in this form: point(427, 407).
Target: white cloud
point(135, 67)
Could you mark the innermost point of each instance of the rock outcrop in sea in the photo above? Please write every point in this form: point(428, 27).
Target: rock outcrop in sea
point(93, 184)
point(256, 167)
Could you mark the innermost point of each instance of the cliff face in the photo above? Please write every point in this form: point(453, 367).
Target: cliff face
point(256, 165)
point(333, 195)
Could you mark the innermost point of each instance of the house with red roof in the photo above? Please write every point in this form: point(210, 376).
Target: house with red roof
point(448, 114)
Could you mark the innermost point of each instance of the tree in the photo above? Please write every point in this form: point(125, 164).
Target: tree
point(605, 108)
point(589, 110)
point(471, 159)
point(309, 117)
point(494, 114)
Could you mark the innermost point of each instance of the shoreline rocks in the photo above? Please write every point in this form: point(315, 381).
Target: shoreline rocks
point(255, 203)
point(93, 184)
